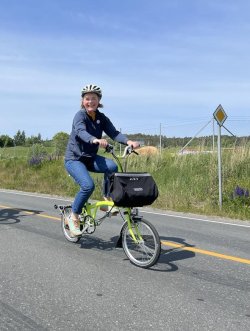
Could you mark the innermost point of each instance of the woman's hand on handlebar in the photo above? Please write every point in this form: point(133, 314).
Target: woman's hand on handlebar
point(134, 144)
point(101, 142)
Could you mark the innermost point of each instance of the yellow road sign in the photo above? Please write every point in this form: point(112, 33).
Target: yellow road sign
point(220, 115)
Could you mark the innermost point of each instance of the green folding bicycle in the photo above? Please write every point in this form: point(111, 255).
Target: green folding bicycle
point(138, 237)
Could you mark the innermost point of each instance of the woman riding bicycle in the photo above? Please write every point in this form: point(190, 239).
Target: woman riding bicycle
point(81, 153)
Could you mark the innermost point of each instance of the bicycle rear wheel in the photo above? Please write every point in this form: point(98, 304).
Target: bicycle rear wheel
point(65, 228)
point(144, 252)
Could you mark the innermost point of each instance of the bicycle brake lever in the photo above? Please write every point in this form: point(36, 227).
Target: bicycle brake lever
point(131, 150)
point(109, 148)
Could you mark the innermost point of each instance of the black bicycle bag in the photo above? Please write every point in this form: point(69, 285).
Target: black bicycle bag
point(131, 189)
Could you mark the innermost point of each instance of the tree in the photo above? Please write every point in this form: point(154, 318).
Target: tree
point(20, 138)
point(34, 140)
point(60, 141)
point(6, 141)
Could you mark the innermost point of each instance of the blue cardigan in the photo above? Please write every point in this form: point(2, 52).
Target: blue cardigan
point(85, 130)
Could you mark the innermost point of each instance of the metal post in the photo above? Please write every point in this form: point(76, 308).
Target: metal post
point(219, 166)
point(160, 138)
point(120, 144)
point(220, 117)
point(213, 135)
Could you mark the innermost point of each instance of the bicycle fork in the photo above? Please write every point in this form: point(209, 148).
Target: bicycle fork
point(131, 219)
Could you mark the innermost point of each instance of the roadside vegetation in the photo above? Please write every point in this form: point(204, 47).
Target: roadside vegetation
point(186, 182)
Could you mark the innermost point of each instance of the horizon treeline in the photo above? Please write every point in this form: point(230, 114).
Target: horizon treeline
point(20, 139)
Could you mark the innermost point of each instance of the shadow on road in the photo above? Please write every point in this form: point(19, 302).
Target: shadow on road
point(90, 241)
point(168, 256)
point(12, 216)
point(166, 259)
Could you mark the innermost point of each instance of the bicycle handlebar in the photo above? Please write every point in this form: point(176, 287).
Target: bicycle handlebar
point(127, 151)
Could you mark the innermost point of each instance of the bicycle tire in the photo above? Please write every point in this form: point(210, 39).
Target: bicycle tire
point(144, 253)
point(66, 231)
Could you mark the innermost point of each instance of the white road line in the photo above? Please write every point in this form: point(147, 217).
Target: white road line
point(143, 211)
point(195, 219)
point(34, 195)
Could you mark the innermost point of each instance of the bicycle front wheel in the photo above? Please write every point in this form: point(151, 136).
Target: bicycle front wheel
point(141, 244)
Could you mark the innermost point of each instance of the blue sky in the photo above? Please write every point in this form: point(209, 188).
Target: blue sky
point(160, 63)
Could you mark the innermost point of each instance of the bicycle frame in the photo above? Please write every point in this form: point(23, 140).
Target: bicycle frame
point(91, 209)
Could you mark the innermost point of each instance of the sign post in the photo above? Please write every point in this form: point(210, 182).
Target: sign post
point(220, 116)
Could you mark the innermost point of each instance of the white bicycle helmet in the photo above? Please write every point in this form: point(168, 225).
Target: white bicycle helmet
point(91, 88)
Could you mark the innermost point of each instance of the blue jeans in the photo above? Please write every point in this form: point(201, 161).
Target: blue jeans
point(80, 172)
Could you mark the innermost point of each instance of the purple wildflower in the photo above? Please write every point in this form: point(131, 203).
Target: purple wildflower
point(238, 192)
point(35, 161)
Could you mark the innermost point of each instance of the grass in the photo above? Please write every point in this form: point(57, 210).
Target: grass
point(20, 151)
point(187, 183)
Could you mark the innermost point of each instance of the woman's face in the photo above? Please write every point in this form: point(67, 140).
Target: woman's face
point(90, 102)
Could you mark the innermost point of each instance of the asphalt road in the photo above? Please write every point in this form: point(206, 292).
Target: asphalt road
point(201, 282)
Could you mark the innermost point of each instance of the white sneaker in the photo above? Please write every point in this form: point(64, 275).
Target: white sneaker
point(74, 226)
